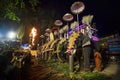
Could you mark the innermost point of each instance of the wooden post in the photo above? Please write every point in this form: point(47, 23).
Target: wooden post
point(71, 61)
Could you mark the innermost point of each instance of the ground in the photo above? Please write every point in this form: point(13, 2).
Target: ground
point(113, 71)
point(38, 71)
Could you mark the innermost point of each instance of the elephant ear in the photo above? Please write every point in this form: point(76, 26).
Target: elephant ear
point(73, 25)
point(87, 19)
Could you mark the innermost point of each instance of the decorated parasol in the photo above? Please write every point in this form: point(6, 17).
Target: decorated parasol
point(77, 8)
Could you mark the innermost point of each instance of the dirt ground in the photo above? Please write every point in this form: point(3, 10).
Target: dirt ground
point(37, 71)
point(113, 71)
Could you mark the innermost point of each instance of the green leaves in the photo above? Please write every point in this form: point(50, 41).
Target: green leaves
point(11, 9)
point(21, 31)
point(33, 3)
point(12, 16)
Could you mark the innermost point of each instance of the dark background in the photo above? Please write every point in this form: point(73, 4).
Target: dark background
point(106, 13)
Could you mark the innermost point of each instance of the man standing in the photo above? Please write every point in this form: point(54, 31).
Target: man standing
point(86, 49)
point(86, 42)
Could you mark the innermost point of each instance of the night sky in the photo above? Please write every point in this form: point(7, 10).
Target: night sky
point(106, 13)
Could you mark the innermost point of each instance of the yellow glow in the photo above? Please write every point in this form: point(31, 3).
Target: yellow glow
point(33, 34)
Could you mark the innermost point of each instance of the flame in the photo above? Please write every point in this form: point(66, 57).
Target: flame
point(33, 34)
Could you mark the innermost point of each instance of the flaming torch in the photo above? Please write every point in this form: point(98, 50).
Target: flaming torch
point(33, 34)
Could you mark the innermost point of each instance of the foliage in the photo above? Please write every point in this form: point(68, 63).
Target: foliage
point(64, 69)
point(94, 76)
point(29, 13)
point(33, 3)
point(58, 67)
point(12, 16)
point(10, 8)
point(21, 31)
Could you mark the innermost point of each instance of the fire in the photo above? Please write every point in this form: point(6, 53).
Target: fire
point(33, 34)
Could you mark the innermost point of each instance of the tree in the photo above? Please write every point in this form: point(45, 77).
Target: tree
point(11, 9)
point(27, 13)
